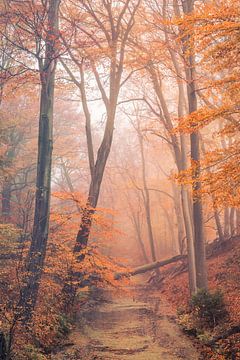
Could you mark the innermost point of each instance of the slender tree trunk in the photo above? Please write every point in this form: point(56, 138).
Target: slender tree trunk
point(170, 228)
point(135, 217)
point(231, 221)
point(38, 245)
point(219, 226)
point(215, 212)
point(146, 197)
point(226, 223)
point(139, 236)
point(199, 242)
point(237, 222)
point(179, 217)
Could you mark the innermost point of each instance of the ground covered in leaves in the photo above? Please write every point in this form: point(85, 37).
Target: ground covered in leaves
point(224, 274)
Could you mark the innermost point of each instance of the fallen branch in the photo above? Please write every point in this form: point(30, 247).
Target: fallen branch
point(233, 330)
point(149, 267)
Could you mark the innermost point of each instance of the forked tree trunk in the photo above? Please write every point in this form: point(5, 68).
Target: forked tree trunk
point(37, 251)
point(96, 181)
point(116, 41)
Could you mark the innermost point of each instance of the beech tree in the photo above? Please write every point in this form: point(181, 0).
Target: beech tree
point(157, 57)
point(109, 27)
point(36, 34)
point(199, 242)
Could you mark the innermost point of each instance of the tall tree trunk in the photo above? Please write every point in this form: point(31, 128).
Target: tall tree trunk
point(179, 217)
point(179, 151)
point(146, 197)
point(37, 251)
point(199, 243)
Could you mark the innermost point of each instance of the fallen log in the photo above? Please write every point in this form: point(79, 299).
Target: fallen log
point(212, 249)
point(149, 267)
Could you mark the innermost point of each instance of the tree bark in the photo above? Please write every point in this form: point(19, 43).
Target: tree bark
point(37, 251)
point(199, 242)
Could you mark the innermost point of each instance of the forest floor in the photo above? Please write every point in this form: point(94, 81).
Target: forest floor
point(134, 325)
point(223, 274)
point(141, 323)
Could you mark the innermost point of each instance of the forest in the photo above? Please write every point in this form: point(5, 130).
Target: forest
point(119, 179)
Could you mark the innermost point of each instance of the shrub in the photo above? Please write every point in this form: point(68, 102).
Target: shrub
point(209, 307)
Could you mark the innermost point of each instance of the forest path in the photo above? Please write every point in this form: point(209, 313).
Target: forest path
point(133, 326)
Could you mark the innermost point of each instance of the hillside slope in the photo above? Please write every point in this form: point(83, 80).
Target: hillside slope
point(223, 274)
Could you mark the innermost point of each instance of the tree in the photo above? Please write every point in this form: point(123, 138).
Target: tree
point(110, 27)
point(46, 55)
point(160, 56)
point(199, 242)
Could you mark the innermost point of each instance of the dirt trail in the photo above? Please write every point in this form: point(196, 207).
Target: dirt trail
point(129, 328)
